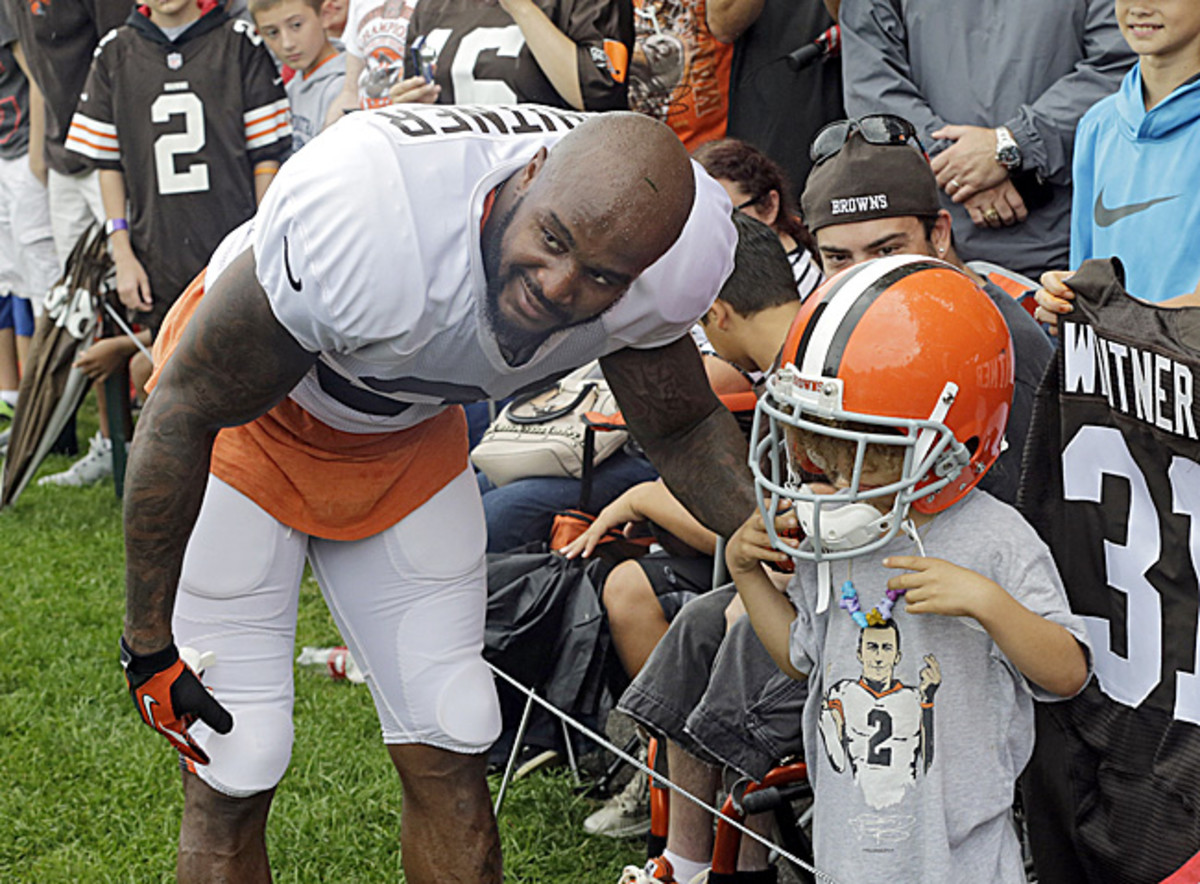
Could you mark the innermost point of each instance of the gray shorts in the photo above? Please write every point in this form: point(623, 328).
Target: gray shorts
point(721, 697)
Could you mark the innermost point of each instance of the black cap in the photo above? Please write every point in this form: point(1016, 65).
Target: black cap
point(863, 181)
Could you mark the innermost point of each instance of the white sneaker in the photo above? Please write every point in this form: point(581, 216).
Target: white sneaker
point(97, 464)
point(657, 871)
point(626, 814)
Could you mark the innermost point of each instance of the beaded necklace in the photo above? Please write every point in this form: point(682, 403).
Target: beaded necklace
point(882, 612)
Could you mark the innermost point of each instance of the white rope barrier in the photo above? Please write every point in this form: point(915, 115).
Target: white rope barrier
point(532, 697)
point(129, 333)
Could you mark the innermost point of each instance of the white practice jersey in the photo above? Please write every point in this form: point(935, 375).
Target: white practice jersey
point(368, 247)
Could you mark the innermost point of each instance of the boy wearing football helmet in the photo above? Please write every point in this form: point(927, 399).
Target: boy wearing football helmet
point(889, 406)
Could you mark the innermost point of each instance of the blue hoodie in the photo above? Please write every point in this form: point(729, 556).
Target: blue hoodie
point(1137, 188)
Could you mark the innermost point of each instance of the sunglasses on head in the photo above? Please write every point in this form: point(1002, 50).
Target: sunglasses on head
point(882, 129)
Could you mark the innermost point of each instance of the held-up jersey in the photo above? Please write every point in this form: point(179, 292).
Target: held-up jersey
point(1112, 483)
point(368, 247)
point(185, 121)
point(482, 57)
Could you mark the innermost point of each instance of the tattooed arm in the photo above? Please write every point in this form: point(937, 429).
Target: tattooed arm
point(233, 363)
point(688, 435)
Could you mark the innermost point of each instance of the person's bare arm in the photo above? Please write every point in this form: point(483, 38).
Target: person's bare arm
point(1044, 651)
point(37, 118)
point(133, 285)
point(555, 52)
point(770, 611)
point(727, 19)
point(348, 100)
point(264, 174)
point(651, 501)
point(687, 433)
point(233, 363)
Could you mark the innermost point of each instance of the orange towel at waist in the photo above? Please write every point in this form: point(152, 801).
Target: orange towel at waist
point(319, 480)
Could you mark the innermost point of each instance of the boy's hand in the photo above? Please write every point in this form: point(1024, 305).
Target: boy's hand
point(936, 586)
point(1053, 298)
point(415, 90)
point(750, 545)
point(102, 358)
point(615, 514)
point(133, 285)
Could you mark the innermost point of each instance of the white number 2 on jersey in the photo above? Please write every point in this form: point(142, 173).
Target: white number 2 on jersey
point(171, 149)
point(1092, 454)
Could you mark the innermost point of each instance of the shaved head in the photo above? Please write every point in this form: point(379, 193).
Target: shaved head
point(570, 232)
point(632, 171)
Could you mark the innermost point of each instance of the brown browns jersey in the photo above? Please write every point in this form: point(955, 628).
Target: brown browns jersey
point(185, 121)
point(59, 37)
point(482, 56)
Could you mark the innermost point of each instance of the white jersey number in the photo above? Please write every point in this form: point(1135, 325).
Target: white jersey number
point(1094, 453)
point(506, 42)
point(170, 150)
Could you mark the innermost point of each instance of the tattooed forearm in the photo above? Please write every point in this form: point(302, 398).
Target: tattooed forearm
point(233, 363)
point(688, 435)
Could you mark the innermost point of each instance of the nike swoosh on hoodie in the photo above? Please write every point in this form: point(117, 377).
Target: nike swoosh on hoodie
point(1106, 217)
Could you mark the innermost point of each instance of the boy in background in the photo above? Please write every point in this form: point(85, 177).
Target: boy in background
point(184, 115)
point(1135, 169)
point(28, 265)
point(294, 31)
point(916, 726)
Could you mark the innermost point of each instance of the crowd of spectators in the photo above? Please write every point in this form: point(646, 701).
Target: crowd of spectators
point(1045, 134)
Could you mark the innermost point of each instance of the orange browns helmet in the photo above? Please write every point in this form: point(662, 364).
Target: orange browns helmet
point(903, 351)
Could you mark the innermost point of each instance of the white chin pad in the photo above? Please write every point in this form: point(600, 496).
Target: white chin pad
point(843, 526)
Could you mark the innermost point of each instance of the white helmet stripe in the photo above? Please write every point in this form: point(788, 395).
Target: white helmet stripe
point(826, 329)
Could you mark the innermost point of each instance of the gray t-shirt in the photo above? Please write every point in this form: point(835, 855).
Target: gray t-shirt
point(14, 95)
point(311, 95)
point(915, 733)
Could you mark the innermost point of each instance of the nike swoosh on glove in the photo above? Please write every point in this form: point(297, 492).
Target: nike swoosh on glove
point(170, 698)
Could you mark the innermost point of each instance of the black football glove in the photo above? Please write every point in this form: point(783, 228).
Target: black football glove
point(170, 698)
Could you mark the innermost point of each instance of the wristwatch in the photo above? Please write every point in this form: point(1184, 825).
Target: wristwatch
point(1008, 153)
point(112, 225)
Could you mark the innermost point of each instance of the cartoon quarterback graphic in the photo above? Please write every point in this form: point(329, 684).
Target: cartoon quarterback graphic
point(880, 727)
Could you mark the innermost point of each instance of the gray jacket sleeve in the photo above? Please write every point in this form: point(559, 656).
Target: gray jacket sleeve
point(876, 74)
point(1045, 128)
point(880, 75)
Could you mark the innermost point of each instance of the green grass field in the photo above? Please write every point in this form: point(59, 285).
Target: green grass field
point(87, 793)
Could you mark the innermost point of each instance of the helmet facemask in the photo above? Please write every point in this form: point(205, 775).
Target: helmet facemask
point(800, 422)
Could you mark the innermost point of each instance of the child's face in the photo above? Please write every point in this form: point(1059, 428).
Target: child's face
point(173, 13)
point(1168, 30)
point(882, 464)
point(292, 30)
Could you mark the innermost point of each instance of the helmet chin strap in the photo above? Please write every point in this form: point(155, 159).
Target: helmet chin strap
point(845, 527)
point(824, 576)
